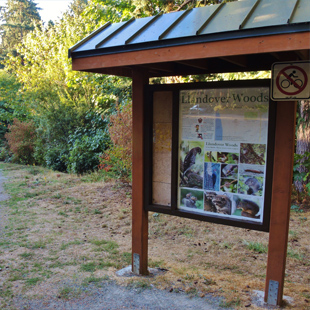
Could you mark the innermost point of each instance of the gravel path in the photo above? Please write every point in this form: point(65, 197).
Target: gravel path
point(3, 196)
point(112, 296)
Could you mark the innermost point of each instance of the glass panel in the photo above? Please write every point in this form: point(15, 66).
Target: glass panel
point(223, 149)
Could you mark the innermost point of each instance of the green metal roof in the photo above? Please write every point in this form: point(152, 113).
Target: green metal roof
point(239, 19)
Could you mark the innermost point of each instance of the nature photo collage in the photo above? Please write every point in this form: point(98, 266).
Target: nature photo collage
point(223, 148)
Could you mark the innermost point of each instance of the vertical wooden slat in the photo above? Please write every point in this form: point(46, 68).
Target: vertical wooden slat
point(281, 195)
point(139, 215)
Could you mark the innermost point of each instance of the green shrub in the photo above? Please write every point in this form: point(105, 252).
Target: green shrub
point(87, 143)
point(5, 154)
point(56, 157)
point(85, 152)
point(301, 169)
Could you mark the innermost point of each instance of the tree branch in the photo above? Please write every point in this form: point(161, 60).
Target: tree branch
point(184, 4)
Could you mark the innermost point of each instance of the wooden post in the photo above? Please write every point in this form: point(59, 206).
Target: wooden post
point(139, 215)
point(281, 201)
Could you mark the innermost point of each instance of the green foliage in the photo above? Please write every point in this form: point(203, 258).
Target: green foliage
point(70, 137)
point(56, 158)
point(5, 153)
point(11, 104)
point(302, 175)
point(150, 8)
point(85, 152)
point(102, 11)
point(296, 209)
point(21, 139)
point(18, 18)
point(71, 110)
point(87, 143)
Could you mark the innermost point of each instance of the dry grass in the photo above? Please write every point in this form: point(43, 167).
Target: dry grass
point(62, 227)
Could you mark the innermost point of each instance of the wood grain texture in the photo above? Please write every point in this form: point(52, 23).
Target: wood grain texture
point(281, 195)
point(139, 214)
point(237, 47)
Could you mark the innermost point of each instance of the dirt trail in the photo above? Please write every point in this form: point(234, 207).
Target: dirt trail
point(3, 196)
point(115, 297)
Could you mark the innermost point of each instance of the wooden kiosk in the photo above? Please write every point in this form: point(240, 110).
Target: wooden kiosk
point(241, 36)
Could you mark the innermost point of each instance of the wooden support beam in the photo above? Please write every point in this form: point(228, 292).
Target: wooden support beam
point(246, 46)
point(123, 71)
point(198, 64)
point(281, 200)
point(139, 215)
point(284, 56)
point(161, 67)
point(240, 61)
point(303, 55)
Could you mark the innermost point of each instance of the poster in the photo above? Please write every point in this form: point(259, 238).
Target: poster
point(223, 152)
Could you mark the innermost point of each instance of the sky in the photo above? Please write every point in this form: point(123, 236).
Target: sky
point(51, 9)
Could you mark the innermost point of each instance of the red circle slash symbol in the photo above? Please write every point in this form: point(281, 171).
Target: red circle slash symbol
point(293, 82)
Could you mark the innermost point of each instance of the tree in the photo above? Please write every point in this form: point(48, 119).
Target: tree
point(66, 105)
point(70, 109)
point(77, 7)
point(102, 11)
point(11, 103)
point(119, 10)
point(18, 18)
point(302, 143)
point(145, 8)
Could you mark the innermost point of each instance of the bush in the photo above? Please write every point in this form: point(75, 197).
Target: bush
point(301, 169)
point(85, 151)
point(87, 143)
point(5, 154)
point(40, 150)
point(21, 140)
point(56, 158)
point(117, 160)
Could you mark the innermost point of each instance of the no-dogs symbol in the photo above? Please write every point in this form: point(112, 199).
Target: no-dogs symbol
point(290, 81)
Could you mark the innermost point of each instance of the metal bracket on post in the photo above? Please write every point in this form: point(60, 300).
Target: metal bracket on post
point(273, 291)
point(136, 263)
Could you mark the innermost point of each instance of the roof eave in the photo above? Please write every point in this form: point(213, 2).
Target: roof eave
point(214, 37)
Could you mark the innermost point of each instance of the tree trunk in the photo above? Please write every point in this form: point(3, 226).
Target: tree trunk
point(303, 138)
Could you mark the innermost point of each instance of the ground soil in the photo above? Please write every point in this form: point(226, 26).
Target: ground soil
point(65, 237)
point(108, 295)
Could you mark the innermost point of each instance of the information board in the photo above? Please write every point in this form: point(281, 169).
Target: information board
point(223, 136)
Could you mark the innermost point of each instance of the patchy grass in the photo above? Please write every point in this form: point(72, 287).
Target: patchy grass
point(94, 280)
point(64, 246)
point(139, 284)
point(67, 292)
point(27, 255)
point(62, 228)
point(32, 281)
point(257, 247)
point(89, 267)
